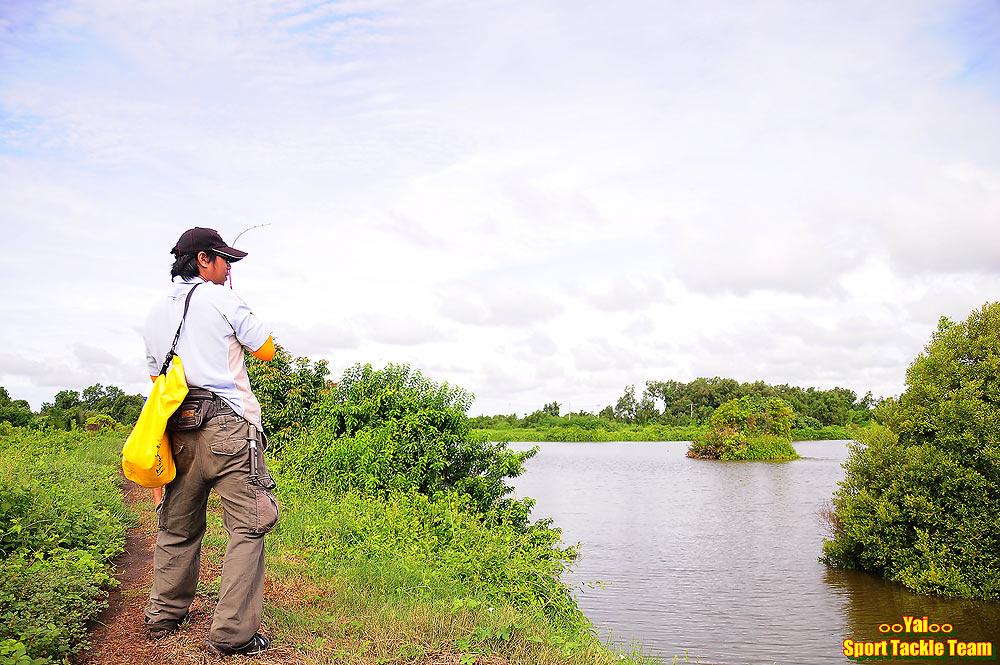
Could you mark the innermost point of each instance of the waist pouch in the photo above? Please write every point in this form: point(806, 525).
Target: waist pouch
point(198, 408)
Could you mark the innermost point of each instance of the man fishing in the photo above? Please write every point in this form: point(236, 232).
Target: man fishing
point(217, 443)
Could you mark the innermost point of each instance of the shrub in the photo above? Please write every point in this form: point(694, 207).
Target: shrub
point(61, 520)
point(389, 480)
point(395, 430)
point(101, 421)
point(920, 502)
point(747, 428)
point(44, 603)
point(16, 412)
point(287, 388)
point(13, 652)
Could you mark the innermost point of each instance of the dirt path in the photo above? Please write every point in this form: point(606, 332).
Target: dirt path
point(118, 635)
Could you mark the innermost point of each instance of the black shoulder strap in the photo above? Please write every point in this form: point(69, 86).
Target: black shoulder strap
point(170, 353)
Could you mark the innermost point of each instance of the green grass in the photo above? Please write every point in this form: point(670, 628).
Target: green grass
point(573, 433)
point(828, 433)
point(635, 433)
point(762, 447)
point(408, 576)
point(742, 447)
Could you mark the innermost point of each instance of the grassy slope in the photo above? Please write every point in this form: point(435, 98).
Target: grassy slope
point(394, 582)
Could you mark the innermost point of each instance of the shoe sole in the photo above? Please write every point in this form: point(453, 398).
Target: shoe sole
point(225, 653)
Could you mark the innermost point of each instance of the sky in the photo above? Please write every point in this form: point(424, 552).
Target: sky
point(534, 201)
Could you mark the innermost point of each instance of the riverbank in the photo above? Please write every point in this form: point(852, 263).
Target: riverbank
point(635, 433)
point(350, 579)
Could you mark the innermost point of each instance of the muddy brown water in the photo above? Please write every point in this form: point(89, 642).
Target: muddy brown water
point(719, 560)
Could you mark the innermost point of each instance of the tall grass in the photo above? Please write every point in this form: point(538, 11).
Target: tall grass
point(406, 576)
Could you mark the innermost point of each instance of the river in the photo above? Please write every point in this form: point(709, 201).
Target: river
point(719, 560)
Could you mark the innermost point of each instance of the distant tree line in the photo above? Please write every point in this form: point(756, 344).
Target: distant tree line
point(678, 404)
point(103, 405)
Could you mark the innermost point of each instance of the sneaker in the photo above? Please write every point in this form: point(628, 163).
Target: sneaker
point(156, 631)
point(257, 644)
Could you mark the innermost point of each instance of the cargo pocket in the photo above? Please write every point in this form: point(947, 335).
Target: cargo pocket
point(230, 435)
point(265, 510)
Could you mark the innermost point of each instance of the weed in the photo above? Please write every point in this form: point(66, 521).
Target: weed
point(63, 519)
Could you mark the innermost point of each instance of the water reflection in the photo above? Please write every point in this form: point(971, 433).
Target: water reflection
point(869, 602)
point(719, 559)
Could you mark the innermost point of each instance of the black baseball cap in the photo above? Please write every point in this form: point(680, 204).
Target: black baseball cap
point(200, 239)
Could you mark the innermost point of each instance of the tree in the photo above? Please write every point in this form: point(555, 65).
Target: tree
point(552, 409)
point(126, 408)
point(287, 388)
point(111, 401)
point(393, 429)
point(920, 501)
point(16, 412)
point(64, 412)
point(626, 406)
point(67, 399)
point(93, 396)
point(645, 410)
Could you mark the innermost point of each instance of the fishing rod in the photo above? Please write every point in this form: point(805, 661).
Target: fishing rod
point(249, 228)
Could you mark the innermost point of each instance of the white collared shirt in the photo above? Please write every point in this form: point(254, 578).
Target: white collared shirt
point(219, 325)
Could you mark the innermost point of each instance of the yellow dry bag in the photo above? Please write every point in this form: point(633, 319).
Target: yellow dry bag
point(146, 458)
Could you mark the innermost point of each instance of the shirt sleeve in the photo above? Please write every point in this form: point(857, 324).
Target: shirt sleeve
point(250, 331)
point(151, 364)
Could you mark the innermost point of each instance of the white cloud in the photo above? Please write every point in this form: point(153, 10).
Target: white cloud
point(401, 331)
point(498, 304)
point(543, 200)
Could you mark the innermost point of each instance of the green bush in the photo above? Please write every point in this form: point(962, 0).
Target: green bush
point(920, 502)
point(16, 412)
point(826, 433)
point(389, 482)
point(61, 520)
point(745, 429)
point(13, 652)
point(102, 421)
point(287, 388)
point(393, 430)
point(45, 603)
point(50, 501)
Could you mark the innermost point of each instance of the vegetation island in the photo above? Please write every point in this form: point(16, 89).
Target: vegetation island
point(749, 428)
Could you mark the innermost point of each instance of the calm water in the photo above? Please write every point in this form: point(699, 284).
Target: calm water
point(719, 559)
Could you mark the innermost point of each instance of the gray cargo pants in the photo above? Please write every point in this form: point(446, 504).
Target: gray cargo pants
point(214, 456)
